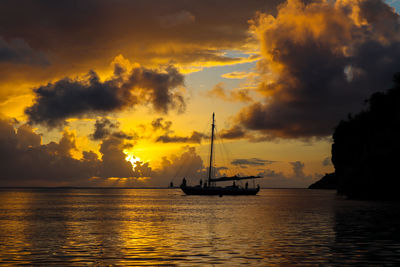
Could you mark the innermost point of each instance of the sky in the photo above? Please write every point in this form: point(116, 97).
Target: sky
point(121, 93)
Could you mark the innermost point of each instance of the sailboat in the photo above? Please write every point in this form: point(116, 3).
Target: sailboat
point(210, 187)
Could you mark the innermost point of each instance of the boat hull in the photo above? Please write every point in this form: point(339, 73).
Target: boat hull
point(219, 191)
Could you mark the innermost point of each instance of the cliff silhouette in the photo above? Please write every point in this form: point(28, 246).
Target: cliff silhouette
point(366, 148)
point(329, 181)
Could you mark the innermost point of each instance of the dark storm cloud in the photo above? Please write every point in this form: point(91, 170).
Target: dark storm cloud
point(160, 124)
point(252, 162)
point(236, 132)
point(80, 35)
point(24, 160)
point(195, 137)
point(113, 163)
point(176, 19)
point(18, 51)
point(123, 135)
point(86, 31)
point(69, 98)
point(320, 61)
point(104, 128)
point(168, 136)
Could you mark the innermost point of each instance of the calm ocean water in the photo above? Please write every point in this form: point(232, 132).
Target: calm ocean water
point(164, 227)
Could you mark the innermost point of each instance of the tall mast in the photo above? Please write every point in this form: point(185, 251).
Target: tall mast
point(211, 154)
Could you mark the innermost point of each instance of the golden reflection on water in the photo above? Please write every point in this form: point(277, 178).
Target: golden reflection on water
point(164, 227)
point(13, 230)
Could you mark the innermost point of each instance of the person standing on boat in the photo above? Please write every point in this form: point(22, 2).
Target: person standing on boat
point(183, 182)
point(201, 182)
point(247, 185)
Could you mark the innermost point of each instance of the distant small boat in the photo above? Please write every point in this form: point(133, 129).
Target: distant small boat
point(210, 187)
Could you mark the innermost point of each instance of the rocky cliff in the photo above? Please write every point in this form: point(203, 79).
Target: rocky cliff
point(329, 181)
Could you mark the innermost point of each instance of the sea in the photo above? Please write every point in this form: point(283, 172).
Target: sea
point(164, 227)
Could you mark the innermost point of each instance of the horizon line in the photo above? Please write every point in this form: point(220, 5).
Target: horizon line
point(112, 187)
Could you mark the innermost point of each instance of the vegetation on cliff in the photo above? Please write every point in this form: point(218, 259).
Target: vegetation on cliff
point(366, 148)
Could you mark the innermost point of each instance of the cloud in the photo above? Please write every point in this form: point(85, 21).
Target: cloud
point(252, 162)
point(17, 51)
point(89, 34)
point(236, 132)
point(237, 95)
point(23, 158)
point(236, 75)
point(168, 136)
point(71, 98)
point(195, 137)
point(159, 123)
point(172, 168)
point(319, 62)
point(113, 159)
point(25, 161)
point(176, 19)
point(78, 37)
point(298, 167)
point(188, 164)
point(327, 161)
point(223, 168)
point(104, 128)
point(296, 179)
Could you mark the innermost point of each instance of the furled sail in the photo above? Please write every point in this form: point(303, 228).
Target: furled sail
point(233, 178)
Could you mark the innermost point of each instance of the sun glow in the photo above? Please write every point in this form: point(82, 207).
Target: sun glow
point(132, 159)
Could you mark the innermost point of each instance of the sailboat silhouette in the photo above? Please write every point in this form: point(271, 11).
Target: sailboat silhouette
point(210, 187)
